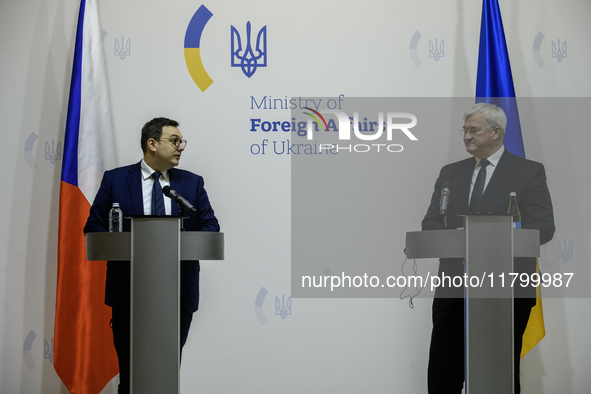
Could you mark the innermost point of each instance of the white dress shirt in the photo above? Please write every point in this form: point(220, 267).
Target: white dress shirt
point(493, 161)
point(148, 184)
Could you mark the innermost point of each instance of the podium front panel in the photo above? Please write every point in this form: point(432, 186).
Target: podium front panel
point(155, 316)
point(489, 306)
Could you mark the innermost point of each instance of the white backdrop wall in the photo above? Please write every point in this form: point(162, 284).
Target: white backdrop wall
point(238, 343)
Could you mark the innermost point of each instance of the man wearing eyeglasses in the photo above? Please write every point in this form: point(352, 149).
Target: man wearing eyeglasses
point(132, 187)
point(482, 184)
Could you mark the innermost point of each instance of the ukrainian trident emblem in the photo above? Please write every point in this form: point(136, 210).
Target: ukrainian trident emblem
point(559, 51)
point(48, 351)
point(123, 48)
point(565, 251)
point(53, 153)
point(436, 51)
point(281, 307)
point(245, 57)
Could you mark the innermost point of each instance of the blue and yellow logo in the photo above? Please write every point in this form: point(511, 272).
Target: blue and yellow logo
point(192, 48)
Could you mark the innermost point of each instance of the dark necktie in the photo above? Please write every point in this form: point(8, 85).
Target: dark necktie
point(478, 187)
point(157, 196)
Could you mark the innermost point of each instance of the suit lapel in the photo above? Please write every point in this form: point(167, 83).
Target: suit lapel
point(177, 185)
point(465, 181)
point(501, 173)
point(134, 185)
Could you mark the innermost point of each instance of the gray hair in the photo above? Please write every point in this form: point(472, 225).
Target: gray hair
point(493, 116)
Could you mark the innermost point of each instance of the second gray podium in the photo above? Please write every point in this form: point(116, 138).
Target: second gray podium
point(488, 243)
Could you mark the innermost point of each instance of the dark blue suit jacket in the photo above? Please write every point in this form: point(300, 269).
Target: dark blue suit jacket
point(124, 186)
point(513, 174)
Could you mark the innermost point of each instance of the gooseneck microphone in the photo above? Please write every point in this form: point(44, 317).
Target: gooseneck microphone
point(444, 201)
point(180, 200)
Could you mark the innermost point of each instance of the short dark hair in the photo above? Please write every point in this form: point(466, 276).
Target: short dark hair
point(153, 129)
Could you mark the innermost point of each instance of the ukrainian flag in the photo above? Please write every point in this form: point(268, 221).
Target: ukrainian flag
point(494, 80)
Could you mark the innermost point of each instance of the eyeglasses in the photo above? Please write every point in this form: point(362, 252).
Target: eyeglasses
point(472, 132)
point(176, 142)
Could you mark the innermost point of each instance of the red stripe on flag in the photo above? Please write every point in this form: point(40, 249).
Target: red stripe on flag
point(81, 358)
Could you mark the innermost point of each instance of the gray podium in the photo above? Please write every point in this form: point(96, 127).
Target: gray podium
point(488, 243)
point(155, 246)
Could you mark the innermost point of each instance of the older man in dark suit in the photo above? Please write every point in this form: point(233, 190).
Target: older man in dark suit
point(133, 187)
point(482, 183)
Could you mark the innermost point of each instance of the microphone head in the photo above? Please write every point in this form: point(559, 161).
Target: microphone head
point(166, 190)
point(444, 201)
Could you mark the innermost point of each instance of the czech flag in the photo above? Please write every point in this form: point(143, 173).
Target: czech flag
point(84, 355)
point(494, 84)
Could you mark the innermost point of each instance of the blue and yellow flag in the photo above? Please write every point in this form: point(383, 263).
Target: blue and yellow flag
point(494, 84)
